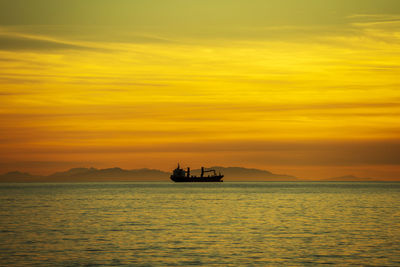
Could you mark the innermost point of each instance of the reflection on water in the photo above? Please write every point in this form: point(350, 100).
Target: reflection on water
point(149, 224)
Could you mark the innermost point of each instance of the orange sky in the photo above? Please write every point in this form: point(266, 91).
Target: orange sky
point(310, 90)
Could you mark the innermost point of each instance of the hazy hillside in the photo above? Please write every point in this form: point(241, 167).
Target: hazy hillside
point(118, 174)
point(111, 174)
point(17, 176)
point(245, 174)
point(89, 175)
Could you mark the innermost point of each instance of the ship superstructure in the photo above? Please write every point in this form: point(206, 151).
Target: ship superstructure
point(180, 175)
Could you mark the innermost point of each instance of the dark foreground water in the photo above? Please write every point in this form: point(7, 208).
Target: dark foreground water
point(237, 224)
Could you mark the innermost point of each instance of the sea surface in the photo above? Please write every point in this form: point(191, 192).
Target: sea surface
point(210, 224)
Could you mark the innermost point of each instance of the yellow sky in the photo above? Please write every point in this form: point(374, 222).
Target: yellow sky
point(308, 90)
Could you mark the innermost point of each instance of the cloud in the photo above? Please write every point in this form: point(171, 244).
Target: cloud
point(374, 18)
point(11, 42)
point(283, 153)
point(17, 81)
point(12, 93)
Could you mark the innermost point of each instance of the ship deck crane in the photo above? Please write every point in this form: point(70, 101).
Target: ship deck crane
point(204, 171)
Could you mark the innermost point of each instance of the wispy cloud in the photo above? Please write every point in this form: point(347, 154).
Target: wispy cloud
point(15, 43)
point(374, 18)
point(11, 40)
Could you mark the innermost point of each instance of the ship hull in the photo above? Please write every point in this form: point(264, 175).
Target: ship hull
point(194, 179)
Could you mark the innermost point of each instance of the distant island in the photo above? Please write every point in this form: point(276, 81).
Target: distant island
point(118, 174)
point(88, 175)
point(247, 174)
point(121, 175)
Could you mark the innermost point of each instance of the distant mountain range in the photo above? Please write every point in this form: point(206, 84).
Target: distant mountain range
point(246, 174)
point(118, 174)
point(89, 175)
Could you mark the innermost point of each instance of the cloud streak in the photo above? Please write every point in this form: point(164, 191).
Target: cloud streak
point(19, 43)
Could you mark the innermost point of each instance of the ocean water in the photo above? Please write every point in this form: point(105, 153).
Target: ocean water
point(220, 224)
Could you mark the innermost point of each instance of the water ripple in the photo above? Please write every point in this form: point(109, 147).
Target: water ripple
point(228, 224)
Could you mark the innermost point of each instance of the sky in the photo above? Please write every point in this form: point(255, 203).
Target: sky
point(308, 88)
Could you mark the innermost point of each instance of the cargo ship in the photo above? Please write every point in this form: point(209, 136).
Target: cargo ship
point(180, 175)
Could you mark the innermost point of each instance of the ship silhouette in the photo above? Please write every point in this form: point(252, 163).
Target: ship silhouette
point(180, 175)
